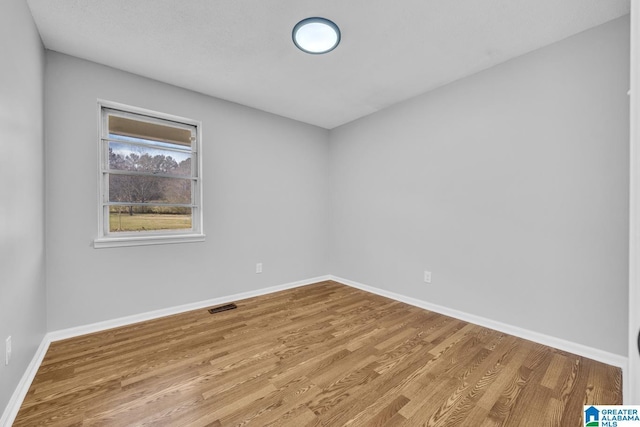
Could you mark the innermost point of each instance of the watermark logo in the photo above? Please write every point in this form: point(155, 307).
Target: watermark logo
point(611, 415)
point(592, 417)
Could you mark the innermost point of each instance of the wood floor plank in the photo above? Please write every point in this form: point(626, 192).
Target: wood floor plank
point(318, 355)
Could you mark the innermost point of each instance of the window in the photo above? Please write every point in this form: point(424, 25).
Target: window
point(149, 177)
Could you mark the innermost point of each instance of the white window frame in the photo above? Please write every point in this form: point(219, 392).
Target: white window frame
point(107, 239)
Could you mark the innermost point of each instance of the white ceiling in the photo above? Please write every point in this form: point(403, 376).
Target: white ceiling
point(241, 50)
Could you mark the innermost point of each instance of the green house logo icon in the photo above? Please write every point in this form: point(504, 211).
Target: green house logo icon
point(592, 417)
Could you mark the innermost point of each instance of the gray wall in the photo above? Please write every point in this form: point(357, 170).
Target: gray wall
point(22, 281)
point(265, 191)
point(511, 186)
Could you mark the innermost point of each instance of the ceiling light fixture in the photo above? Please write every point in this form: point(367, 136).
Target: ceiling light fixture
point(316, 35)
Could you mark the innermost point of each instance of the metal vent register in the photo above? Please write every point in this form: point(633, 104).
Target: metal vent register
point(221, 308)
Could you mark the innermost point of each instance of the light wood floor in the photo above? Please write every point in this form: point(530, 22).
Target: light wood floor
point(324, 354)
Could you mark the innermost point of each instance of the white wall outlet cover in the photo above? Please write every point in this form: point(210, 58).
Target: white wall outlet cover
point(7, 354)
point(427, 276)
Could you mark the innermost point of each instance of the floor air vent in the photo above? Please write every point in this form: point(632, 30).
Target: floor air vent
point(225, 307)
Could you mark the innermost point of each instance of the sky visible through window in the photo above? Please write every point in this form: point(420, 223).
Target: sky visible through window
point(125, 149)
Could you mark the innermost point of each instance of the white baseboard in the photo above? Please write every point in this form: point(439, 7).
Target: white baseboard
point(548, 340)
point(142, 317)
point(11, 411)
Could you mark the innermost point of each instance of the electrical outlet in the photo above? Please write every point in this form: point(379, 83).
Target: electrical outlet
point(7, 350)
point(259, 268)
point(427, 276)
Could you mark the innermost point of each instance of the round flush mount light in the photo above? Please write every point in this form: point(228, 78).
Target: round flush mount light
point(316, 35)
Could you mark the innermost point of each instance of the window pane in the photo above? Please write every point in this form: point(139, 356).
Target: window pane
point(149, 189)
point(148, 218)
point(123, 156)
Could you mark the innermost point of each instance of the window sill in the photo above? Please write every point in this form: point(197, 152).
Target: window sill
point(123, 241)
